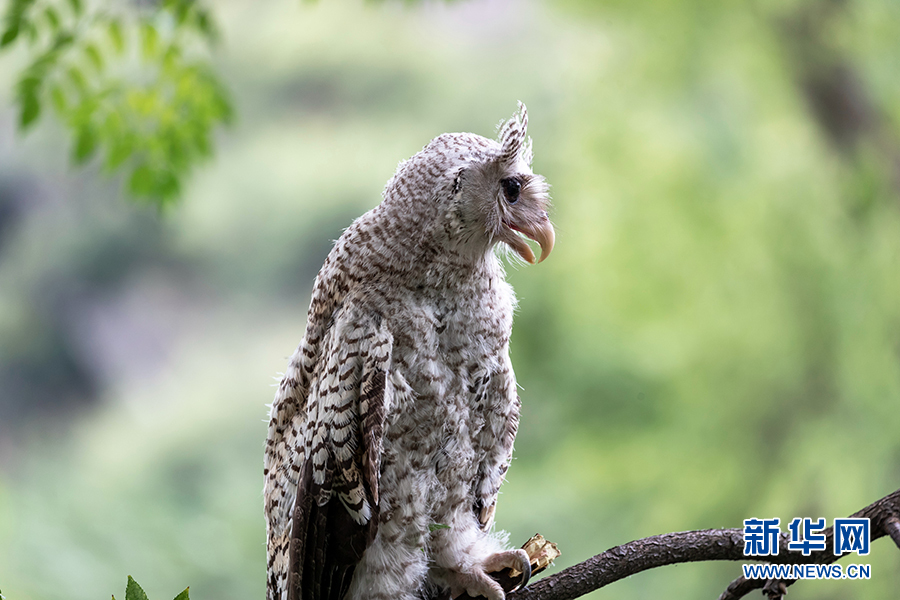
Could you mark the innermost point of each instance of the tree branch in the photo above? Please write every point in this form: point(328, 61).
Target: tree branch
point(693, 546)
point(884, 518)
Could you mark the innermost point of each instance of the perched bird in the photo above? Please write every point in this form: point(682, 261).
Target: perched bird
point(393, 426)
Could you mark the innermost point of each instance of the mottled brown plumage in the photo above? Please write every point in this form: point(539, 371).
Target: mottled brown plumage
point(393, 425)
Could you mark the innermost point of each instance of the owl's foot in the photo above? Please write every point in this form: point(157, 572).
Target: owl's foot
point(478, 583)
point(516, 560)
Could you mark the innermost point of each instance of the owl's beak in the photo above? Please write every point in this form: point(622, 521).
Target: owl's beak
point(540, 231)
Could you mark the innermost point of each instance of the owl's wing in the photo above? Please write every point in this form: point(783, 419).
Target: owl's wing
point(329, 516)
point(497, 438)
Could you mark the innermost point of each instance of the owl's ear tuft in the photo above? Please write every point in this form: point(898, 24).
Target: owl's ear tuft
point(513, 138)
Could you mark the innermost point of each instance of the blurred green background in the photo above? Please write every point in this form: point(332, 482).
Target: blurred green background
point(715, 337)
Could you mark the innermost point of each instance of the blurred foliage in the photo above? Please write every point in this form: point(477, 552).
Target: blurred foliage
point(715, 337)
point(131, 82)
point(133, 591)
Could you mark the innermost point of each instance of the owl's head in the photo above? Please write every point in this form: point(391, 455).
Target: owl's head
point(478, 192)
point(498, 195)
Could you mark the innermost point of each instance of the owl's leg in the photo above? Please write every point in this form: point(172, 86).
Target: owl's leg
point(391, 569)
point(477, 582)
point(463, 556)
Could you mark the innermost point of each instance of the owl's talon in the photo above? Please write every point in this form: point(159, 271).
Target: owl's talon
point(526, 576)
point(515, 560)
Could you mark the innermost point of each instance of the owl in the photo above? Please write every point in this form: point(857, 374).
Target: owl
point(393, 425)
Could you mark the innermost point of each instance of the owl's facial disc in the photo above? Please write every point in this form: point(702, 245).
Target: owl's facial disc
point(523, 207)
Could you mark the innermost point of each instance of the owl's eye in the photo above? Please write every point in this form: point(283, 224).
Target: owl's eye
point(511, 188)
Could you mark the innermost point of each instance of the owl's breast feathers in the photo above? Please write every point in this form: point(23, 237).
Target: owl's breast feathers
point(440, 337)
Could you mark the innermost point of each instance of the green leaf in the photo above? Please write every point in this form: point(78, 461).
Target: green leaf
point(141, 181)
point(181, 10)
point(32, 31)
point(15, 20)
point(77, 7)
point(119, 152)
point(121, 141)
point(436, 526)
point(116, 36)
point(77, 78)
point(63, 39)
point(58, 97)
point(30, 82)
point(52, 17)
point(206, 26)
point(31, 108)
point(133, 591)
point(201, 142)
point(171, 57)
point(149, 40)
point(93, 55)
point(10, 35)
point(166, 185)
point(160, 184)
point(183, 595)
point(85, 146)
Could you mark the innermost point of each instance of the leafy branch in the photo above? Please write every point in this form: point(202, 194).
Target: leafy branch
point(133, 84)
point(133, 591)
